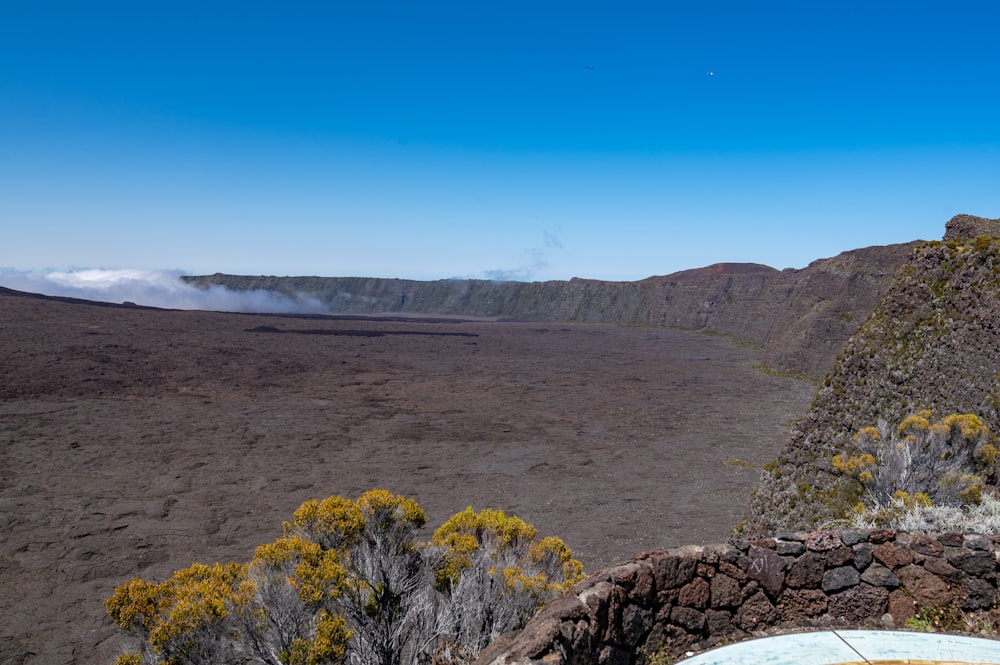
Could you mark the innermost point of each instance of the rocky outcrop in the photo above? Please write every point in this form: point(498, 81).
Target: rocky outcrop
point(691, 598)
point(967, 227)
point(933, 342)
point(801, 317)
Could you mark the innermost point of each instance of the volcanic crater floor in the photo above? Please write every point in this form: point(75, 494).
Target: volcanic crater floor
point(135, 441)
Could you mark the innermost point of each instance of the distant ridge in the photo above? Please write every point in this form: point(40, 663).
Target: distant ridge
point(800, 317)
point(76, 301)
point(716, 270)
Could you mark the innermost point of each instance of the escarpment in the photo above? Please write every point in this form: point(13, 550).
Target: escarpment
point(800, 317)
point(932, 343)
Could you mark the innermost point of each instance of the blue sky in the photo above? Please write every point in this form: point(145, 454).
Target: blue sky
point(526, 140)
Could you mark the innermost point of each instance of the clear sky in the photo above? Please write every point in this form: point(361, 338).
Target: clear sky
point(528, 140)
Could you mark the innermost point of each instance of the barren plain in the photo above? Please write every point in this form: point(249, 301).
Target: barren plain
point(136, 441)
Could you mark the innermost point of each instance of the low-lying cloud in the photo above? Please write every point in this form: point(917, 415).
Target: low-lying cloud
point(155, 288)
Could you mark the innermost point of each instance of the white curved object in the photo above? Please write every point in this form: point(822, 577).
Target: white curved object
point(834, 647)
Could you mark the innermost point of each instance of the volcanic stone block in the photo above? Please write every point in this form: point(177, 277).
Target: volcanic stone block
point(807, 571)
point(656, 639)
point(636, 622)
point(725, 591)
point(902, 606)
point(756, 612)
point(852, 537)
point(878, 575)
point(792, 536)
point(980, 564)
point(733, 555)
point(951, 539)
point(840, 578)
point(719, 622)
point(798, 604)
point(879, 536)
point(786, 548)
point(617, 603)
point(942, 569)
point(838, 556)
point(893, 557)
point(861, 602)
point(644, 586)
point(576, 635)
point(863, 555)
point(738, 571)
point(687, 618)
point(823, 541)
point(925, 544)
point(924, 587)
point(978, 594)
point(597, 599)
point(677, 637)
point(767, 568)
point(694, 594)
point(674, 571)
point(741, 544)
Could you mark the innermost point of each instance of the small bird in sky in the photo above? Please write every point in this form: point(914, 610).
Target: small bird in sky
point(590, 67)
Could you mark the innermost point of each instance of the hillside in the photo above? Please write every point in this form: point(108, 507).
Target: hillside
point(933, 342)
point(801, 318)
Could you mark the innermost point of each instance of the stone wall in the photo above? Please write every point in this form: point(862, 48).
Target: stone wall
point(696, 597)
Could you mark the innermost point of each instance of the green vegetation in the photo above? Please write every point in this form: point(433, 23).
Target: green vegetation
point(931, 619)
point(659, 657)
point(349, 583)
point(951, 618)
point(904, 472)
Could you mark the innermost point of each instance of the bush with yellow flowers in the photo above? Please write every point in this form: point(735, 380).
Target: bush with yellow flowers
point(348, 582)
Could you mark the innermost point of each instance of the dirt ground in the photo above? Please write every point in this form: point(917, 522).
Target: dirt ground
point(134, 442)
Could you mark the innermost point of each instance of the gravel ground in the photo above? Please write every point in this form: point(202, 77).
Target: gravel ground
point(137, 441)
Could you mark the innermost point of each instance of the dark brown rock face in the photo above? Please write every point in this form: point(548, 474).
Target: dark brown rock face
point(801, 317)
point(967, 227)
point(607, 618)
point(933, 342)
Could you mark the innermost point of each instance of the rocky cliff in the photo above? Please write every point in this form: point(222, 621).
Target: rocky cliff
point(933, 342)
point(801, 317)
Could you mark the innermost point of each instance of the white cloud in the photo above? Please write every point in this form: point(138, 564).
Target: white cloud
point(154, 288)
point(535, 260)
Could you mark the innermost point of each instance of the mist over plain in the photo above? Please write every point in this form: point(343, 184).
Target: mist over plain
point(154, 288)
